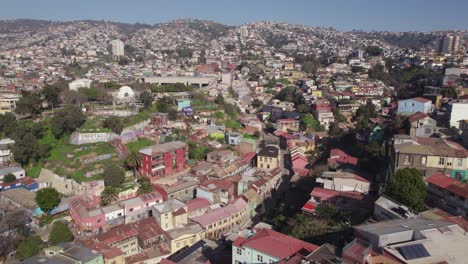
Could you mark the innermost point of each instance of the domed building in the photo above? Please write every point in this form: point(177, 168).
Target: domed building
point(125, 94)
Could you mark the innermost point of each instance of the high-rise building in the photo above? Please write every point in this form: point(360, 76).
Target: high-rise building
point(244, 31)
point(456, 44)
point(360, 54)
point(117, 48)
point(449, 44)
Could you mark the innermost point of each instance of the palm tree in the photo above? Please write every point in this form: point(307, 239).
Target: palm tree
point(133, 161)
point(109, 195)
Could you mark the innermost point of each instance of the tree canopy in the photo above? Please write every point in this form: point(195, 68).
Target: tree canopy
point(60, 233)
point(145, 186)
point(9, 178)
point(67, 120)
point(29, 104)
point(52, 95)
point(47, 199)
point(133, 161)
point(109, 195)
point(115, 124)
point(407, 187)
point(113, 176)
point(29, 247)
point(27, 146)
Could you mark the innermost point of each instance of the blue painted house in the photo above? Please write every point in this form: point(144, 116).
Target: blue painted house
point(26, 183)
point(414, 105)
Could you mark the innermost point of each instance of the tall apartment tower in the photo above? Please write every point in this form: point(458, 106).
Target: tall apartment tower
point(450, 44)
point(447, 44)
point(456, 44)
point(244, 31)
point(117, 48)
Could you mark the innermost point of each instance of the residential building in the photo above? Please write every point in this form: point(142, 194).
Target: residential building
point(90, 219)
point(421, 125)
point(184, 236)
point(448, 194)
point(134, 240)
point(325, 117)
point(414, 105)
point(343, 200)
point(26, 183)
point(287, 124)
point(395, 231)
point(224, 220)
point(164, 160)
point(180, 189)
point(18, 172)
point(117, 48)
point(233, 138)
point(8, 101)
point(344, 181)
point(416, 241)
point(267, 183)
point(385, 209)
point(431, 156)
point(79, 83)
point(198, 206)
point(339, 158)
point(67, 252)
point(459, 112)
point(170, 214)
point(220, 156)
point(268, 158)
point(277, 108)
point(195, 254)
point(6, 156)
point(268, 246)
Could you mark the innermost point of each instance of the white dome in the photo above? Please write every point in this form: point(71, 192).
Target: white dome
point(125, 92)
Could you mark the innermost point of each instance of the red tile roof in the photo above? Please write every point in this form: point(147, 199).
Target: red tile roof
point(449, 184)
point(422, 100)
point(416, 117)
point(275, 244)
point(337, 156)
point(197, 203)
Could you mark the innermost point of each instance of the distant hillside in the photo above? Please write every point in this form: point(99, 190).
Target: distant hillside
point(406, 40)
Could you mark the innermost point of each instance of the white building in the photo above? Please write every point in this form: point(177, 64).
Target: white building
point(117, 48)
point(17, 171)
point(243, 31)
point(268, 246)
point(5, 152)
point(459, 112)
point(80, 83)
point(125, 94)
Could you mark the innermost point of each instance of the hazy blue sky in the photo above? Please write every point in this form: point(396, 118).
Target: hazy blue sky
point(396, 15)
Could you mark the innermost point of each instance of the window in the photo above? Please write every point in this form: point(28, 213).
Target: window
point(259, 258)
point(460, 162)
point(178, 244)
point(239, 251)
point(131, 209)
point(423, 160)
point(406, 161)
point(441, 161)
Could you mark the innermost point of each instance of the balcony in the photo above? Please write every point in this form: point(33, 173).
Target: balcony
point(157, 168)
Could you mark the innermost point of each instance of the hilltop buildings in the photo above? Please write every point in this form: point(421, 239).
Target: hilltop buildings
point(164, 160)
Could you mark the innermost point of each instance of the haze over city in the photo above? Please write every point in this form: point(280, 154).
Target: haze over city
point(396, 15)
